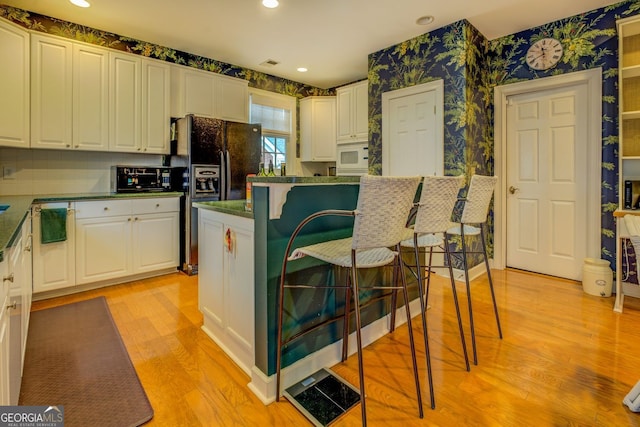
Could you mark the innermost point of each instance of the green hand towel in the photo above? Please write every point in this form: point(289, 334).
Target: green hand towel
point(53, 225)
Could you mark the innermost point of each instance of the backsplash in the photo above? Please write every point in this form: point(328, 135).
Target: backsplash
point(60, 171)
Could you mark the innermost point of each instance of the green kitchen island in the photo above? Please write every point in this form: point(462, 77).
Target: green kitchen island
point(239, 262)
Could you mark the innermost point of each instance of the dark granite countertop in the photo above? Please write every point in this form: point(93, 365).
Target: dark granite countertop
point(232, 207)
point(11, 219)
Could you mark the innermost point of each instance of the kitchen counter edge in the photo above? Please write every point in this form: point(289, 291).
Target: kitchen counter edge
point(11, 220)
point(231, 207)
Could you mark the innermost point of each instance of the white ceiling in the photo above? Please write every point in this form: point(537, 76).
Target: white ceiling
point(332, 38)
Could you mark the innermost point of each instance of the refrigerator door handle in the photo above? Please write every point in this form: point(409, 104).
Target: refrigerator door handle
point(227, 172)
point(223, 177)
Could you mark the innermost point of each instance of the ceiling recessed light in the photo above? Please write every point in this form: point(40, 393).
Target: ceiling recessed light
point(425, 20)
point(270, 3)
point(80, 3)
point(302, 69)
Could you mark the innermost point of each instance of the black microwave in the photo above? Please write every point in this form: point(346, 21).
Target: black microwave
point(134, 179)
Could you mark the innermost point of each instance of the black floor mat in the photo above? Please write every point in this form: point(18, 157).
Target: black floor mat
point(322, 397)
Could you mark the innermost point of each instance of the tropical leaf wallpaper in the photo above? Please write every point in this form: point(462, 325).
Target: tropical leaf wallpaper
point(470, 66)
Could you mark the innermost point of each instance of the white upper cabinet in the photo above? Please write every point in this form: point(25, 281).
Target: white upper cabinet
point(87, 97)
point(353, 114)
point(156, 114)
point(318, 129)
point(90, 98)
point(208, 94)
point(232, 99)
point(51, 93)
point(14, 85)
point(125, 73)
point(69, 95)
point(139, 104)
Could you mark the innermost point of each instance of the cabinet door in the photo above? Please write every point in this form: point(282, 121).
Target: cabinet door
point(53, 263)
point(343, 108)
point(155, 106)
point(51, 92)
point(318, 129)
point(211, 269)
point(5, 312)
point(125, 130)
point(14, 86)
point(90, 98)
point(353, 112)
point(156, 241)
point(199, 87)
point(103, 248)
point(232, 99)
point(361, 111)
point(239, 293)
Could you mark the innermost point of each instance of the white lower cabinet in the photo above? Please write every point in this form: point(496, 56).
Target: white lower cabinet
point(226, 283)
point(116, 238)
point(103, 240)
point(107, 240)
point(15, 271)
point(53, 263)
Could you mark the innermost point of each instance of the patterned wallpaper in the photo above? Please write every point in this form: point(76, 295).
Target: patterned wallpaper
point(471, 66)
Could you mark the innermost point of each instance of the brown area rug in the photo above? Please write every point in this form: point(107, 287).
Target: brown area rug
point(75, 357)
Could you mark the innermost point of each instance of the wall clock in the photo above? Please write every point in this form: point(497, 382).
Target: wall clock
point(544, 54)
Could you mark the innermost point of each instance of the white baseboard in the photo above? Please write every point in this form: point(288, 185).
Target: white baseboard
point(264, 386)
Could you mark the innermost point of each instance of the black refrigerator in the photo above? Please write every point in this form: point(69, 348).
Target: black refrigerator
point(220, 154)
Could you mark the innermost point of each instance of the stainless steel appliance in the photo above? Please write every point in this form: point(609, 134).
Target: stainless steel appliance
point(134, 179)
point(220, 154)
point(352, 159)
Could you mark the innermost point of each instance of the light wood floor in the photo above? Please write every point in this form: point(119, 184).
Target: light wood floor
point(566, 359)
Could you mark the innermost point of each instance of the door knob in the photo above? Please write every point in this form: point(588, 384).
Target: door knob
point(513, 189)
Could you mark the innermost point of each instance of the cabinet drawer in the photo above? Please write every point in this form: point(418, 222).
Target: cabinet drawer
point(156, 205)
point(103, 208)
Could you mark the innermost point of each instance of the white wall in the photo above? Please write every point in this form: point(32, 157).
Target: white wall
point(60, 171)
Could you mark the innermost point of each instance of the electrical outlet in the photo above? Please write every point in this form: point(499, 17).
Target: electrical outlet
point(9, 171)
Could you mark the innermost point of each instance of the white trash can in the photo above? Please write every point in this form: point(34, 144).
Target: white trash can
point(597, 277)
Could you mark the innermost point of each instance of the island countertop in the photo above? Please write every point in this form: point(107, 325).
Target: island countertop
point(304, 179)
point(232, 207)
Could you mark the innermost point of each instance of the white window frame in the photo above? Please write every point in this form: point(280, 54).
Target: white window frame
point(277, 100)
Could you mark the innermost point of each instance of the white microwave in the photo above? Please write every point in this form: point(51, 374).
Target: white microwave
point(352, 159)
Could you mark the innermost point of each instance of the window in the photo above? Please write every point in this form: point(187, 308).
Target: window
point(276, 114)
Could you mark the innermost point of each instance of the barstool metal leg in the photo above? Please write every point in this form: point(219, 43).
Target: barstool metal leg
point(345, 325)
point(466, 279)
point(455, 301)
point(423, 314)
point(493, 295)
point(356, 303)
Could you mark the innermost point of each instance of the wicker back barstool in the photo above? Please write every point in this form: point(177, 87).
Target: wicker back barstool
point(379, 224)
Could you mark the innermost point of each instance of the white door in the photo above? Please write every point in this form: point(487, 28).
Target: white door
point(412, 125)
point(547, 181)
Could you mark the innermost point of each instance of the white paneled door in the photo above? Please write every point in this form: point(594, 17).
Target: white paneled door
point(412, 126)
point(547, 181)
